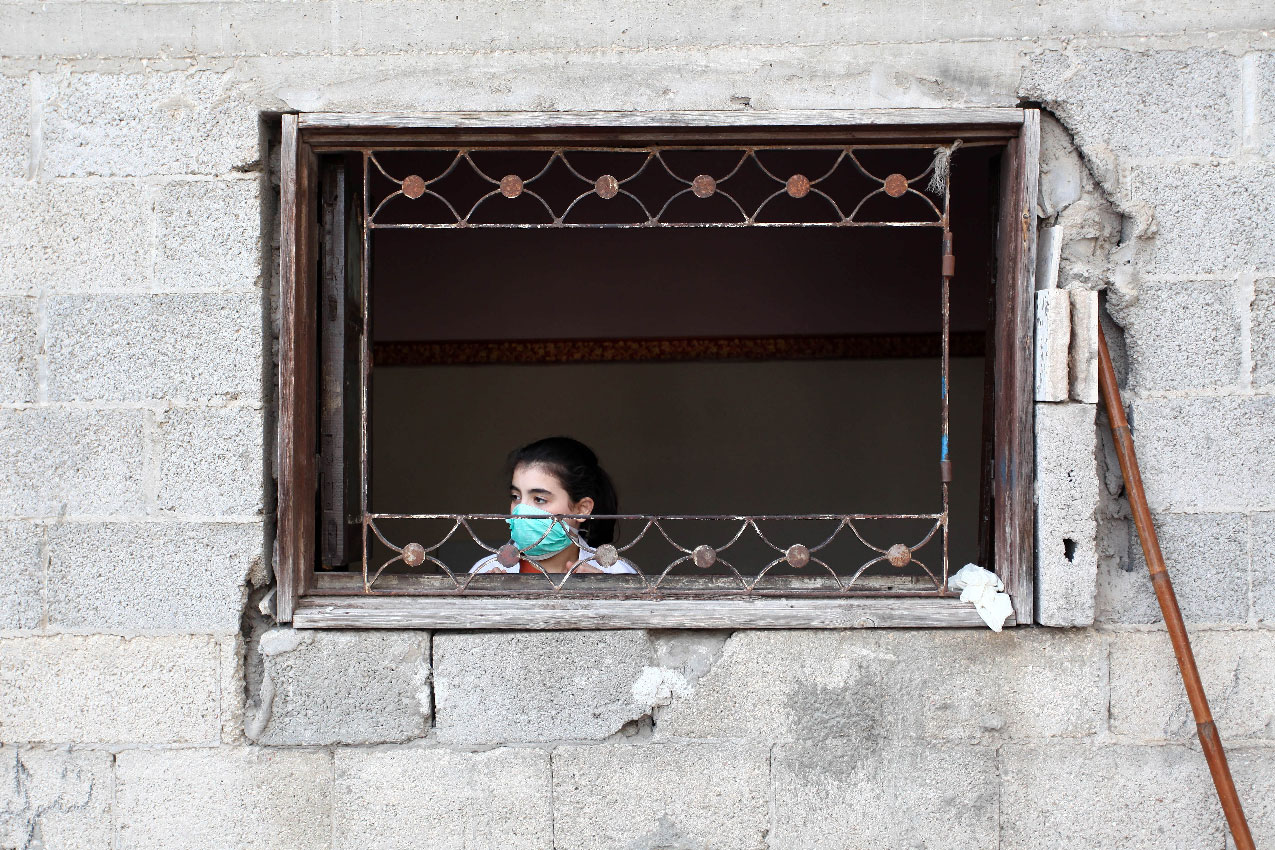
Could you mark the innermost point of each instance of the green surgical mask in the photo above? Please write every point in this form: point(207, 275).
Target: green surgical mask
point(536, 533)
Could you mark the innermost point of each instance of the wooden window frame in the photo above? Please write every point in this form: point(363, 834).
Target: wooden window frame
point(1012, 472)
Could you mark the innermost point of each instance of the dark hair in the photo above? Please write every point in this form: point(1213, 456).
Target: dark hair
point(576, 466)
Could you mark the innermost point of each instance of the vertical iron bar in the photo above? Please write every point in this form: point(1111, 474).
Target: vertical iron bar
point(365, 361)
point(945, 461)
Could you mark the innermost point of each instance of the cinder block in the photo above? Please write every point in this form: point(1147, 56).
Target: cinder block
point(151, 575)
point(234, 695)
point(21, 575)
point(1207, 559)
point(1263, 333)
point(1206, 454)
point(1262, 527)
point(1084, 346)
point(65, 460)
point(1078, 796)
point(124, 30)
point(1067, 490)
point(1183, 336)
point(1265, 129)
point(868, 686)
point(1152, 103)
point(403, 799)
point(195, 799)
point(15, 126)
point(708, 796)
point(77, 236)
point(494, 687)
point(1254, 774)
point(1053, 342)
point(147, 123)
point(19, 345)
point(55, 798)
point(208, 234)
point(101, 689)
point(836, 795)
point(209, 460)
point(342, 688)
point(1210, 218)
point(137, 348)
point(1149, 702)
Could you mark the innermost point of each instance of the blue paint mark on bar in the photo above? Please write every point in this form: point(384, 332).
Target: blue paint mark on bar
point(944, 454)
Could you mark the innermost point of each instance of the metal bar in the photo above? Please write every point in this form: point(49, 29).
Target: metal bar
point(1210, 742)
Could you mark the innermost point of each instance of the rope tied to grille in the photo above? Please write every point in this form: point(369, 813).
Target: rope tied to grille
point(942, 167)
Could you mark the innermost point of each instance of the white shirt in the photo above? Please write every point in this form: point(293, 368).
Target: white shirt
point(489, 564)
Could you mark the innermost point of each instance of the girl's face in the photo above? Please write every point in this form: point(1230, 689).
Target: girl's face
point(535, 486)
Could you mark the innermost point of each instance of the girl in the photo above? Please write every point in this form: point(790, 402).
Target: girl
point(558, 475)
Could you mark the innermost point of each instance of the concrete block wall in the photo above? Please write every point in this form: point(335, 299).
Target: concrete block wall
point(140, 707)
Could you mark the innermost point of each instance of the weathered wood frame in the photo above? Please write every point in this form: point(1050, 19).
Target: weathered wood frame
point(303, 602)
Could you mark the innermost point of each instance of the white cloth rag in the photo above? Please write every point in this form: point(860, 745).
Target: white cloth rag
point(986, 591)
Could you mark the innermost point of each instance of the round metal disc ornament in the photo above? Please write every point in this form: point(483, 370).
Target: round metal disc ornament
point(414, 186)
point(413, 554)
point(703, 186)
point(797, 555)
point(607, 187)
point(511, 185)
point(899, 555)
point(704, 556)
point(606, 555)
point(798, 186)
point(896, 185)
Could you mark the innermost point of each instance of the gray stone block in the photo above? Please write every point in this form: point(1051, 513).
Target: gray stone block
point(1149, 702)
point(1262, 529)
point(1150, 103)
point(1254, 774)
point(865, 686)
point(341, 688)
point(1081, 796)
point(836, 795)
point(111, 690)
point(57, 460)
point(195, 799)
point(1210, 218)
point(85, 236)
point(56, 799)
point(15, 126)
point(1207, 559)
point(1183, 336)
point(151, 575)
point(403, 799)
point(1265, 85)
point(138, 348)
point(19, 347)
point(494, 687)
point(1206, 454)
point(208, 234)
point(209, 461)
point(1067, 490)
point(708, 796)
point(1263, 333)
point(21, 575)
point(146, 123)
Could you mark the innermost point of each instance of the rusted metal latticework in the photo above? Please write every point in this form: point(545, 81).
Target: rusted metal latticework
point(655, 189)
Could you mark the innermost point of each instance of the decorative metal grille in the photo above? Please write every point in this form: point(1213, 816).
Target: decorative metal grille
point(749, 191)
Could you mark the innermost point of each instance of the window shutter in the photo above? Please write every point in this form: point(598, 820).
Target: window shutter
point(340, 318)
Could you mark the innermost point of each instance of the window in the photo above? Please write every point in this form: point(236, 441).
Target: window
point(717, 295)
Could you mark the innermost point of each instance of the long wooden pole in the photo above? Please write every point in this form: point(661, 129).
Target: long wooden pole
point(1214, 753)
